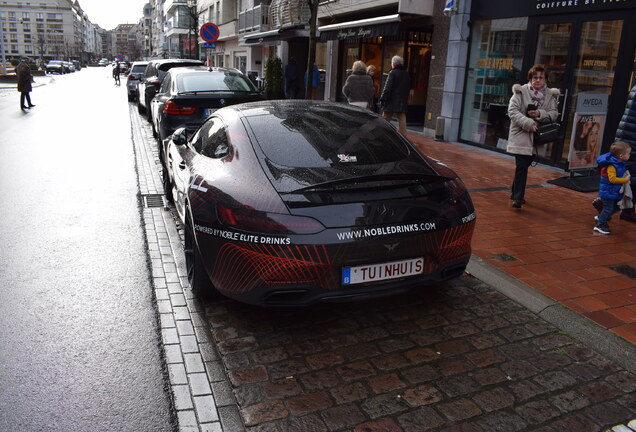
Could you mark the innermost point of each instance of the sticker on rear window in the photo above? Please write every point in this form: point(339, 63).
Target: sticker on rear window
point(347, 158)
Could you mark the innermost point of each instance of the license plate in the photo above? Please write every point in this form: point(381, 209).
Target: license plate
point(208, 111)
point(384, 271)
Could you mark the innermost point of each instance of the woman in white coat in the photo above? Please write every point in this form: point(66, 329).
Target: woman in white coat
point(530, 104)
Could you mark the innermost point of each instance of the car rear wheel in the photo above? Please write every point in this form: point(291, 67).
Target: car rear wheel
point(140, 109)
point(148, 112)
point(197, 276)
point(167, 185)
point(154, 130)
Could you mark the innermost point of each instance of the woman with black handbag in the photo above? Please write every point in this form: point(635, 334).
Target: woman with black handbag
point(531, 104)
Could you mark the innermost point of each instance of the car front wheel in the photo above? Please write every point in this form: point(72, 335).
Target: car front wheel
point(197, 276)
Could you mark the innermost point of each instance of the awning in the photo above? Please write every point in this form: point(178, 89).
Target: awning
point(373, 27)
point(282, 33)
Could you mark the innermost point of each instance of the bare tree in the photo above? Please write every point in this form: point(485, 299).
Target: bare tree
point(193, 40)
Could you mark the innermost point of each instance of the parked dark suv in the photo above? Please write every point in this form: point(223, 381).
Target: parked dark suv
point(151, 80)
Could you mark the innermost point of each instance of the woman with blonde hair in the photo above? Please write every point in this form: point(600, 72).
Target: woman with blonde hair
point(359, 86)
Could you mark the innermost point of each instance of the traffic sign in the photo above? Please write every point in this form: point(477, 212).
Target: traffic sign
point(209, 45)
point(209, 32)
point(189, 44)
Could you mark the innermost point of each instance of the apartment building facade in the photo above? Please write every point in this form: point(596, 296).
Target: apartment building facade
point(47, 29)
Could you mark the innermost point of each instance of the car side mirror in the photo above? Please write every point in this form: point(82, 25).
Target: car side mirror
point(180, 137)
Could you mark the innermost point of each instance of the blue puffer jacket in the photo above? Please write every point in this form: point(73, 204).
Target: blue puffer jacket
point(610, 190)
point(627, 127)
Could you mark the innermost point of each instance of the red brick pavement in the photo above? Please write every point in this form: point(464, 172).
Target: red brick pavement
point(551, 239)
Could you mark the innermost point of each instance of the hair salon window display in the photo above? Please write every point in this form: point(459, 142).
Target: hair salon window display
point(531, 104)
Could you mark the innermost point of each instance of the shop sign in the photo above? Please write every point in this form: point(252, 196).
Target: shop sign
point(520, 8)
point(361, 32)
point(495, 63)
point(592, 103)
point(587, 129)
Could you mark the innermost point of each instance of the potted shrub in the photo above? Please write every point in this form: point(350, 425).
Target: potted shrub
point(274, 78)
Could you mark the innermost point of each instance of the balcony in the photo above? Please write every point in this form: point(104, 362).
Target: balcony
point(170, 5)
point(255, 19)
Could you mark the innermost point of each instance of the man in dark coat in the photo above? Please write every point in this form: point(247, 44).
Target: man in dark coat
point(395, 96)
point(292, 75)
point(23, 72)
point(626, 131)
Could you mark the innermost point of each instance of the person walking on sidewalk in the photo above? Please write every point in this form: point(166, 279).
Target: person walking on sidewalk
point(531, 103)
point(614, 176)
point(626, 132)
point(359, 86)
point(116, 72)
point(23, 73)
point(395, 95)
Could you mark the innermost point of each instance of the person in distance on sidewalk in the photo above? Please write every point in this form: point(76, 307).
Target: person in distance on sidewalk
point(626, 131)
point(23, 73)
point(614, 175)
point(531, 103)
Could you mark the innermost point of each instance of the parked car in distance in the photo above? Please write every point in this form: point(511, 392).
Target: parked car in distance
point(189, 95)
point(150, 82)
point(69, 67)
point(55, 66)
point(292, 202)
point(103, 62)
point(136, 71)
point(77, 65)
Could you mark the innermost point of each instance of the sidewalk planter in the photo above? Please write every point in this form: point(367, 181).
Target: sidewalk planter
point(274, 78)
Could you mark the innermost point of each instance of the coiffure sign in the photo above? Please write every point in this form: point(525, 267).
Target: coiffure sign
point(517, 8)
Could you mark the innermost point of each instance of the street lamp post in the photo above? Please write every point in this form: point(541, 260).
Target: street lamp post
point(4, 60)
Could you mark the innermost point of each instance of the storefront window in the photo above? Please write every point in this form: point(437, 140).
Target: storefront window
point(390, 49)
point(496, 55)
point(597, 56)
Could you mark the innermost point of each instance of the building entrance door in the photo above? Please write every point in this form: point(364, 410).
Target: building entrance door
point(583, 55)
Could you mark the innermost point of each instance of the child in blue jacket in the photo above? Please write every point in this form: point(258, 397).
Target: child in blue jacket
point(613, 175)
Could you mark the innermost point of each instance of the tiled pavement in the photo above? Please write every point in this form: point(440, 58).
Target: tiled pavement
point(460, 357)
point(549, 244)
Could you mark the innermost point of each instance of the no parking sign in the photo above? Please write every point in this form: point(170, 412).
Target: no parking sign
point(209, 32)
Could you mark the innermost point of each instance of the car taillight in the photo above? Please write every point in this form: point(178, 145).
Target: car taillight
point(155, 83)
point(132, 78)
point(171, 108)
point(253, 220)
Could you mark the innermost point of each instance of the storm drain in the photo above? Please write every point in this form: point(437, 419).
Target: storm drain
point(504, 257)
point(624, 269)
point(154, 200)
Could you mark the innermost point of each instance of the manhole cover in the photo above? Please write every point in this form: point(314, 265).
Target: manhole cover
point(155, 200)
point(624, 269)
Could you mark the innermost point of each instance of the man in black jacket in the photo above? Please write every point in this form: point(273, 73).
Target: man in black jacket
point(395, 96)
point(626, 131)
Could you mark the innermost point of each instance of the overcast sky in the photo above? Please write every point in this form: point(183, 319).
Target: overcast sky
point(108, 13)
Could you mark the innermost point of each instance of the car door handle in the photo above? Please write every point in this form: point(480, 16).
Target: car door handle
point(182, 165)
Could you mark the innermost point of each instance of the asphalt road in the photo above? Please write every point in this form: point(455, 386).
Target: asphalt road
point(79, 342)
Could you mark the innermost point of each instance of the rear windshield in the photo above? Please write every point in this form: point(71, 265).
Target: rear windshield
point(327, 136)
point(214, 81)
point(138, 69)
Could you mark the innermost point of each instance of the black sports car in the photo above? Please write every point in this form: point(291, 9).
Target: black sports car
point(294, 202)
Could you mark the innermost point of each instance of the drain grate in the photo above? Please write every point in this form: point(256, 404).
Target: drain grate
point(155, 200)
point(624, 269)
point(503, 257)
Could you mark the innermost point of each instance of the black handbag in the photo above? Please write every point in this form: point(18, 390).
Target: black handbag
point(546, 132)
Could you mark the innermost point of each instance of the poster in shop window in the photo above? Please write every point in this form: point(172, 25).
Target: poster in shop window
point(587, 130)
